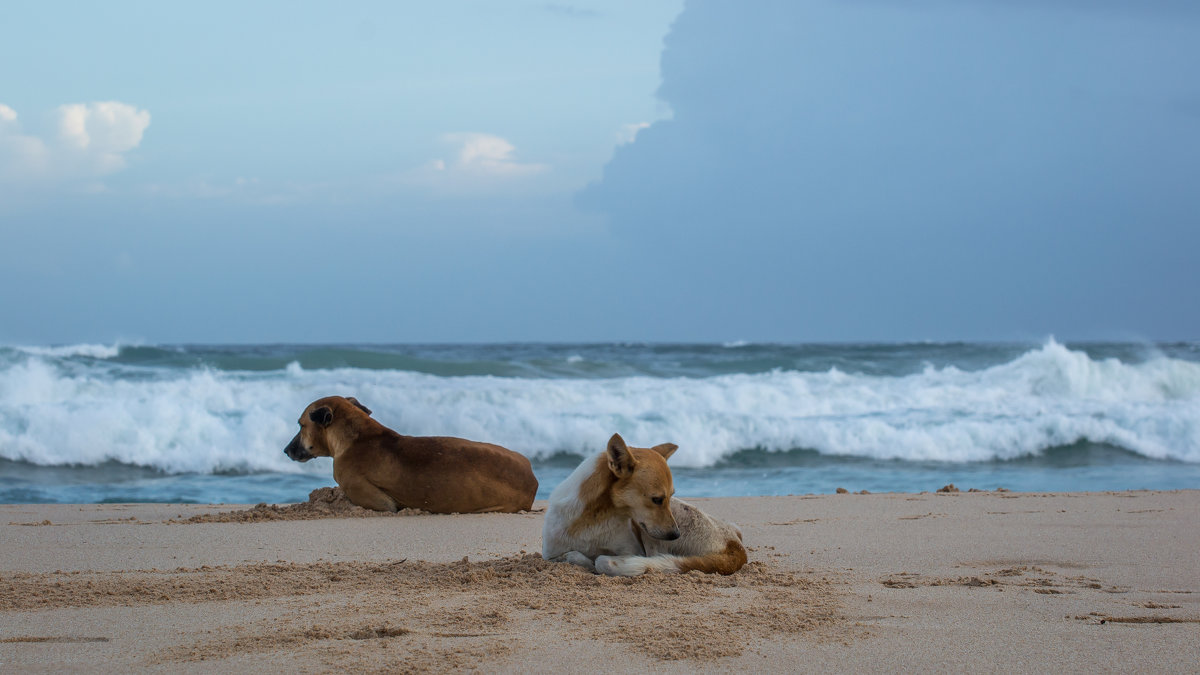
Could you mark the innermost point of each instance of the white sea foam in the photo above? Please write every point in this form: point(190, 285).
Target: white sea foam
point(205, 421)
point(65, 351)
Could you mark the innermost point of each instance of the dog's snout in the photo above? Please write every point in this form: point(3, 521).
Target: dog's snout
point(664, 535)
point(295, 450)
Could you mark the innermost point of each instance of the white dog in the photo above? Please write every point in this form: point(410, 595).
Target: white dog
point(614, 514)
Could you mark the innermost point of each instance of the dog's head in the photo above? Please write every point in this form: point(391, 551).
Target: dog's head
point(321, 424)
point(644, 486)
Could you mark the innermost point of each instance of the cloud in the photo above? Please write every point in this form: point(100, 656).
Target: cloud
point(830, 158)
point(90, 141)
point(19, 153)
point(628, 133)
point(487, 154)
point(102, 132)
point(479, 163)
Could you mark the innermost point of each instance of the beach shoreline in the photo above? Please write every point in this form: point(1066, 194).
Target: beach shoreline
point(898, 581)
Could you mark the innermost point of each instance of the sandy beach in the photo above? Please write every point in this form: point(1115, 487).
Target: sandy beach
point(985, 581)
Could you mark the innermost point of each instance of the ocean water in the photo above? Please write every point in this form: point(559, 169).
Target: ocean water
point(196, 423)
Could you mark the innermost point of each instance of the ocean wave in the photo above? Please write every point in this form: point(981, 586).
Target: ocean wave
point(91, 351)
point(205, 420)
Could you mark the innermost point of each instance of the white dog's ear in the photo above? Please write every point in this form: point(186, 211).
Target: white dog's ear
point(665, 449)
point(358, 405)
point(620, 460)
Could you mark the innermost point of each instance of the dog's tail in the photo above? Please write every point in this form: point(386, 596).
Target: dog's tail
point(727, 561)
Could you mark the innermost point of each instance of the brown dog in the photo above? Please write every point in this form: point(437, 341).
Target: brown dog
point(380, 469)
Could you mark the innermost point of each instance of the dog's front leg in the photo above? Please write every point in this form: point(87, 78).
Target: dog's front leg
point(575, 558)
point(368, 496)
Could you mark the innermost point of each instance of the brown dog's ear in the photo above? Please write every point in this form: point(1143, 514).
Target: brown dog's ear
point(665, 449)
point(358, 405)
point(620, 460)
point(322, 416)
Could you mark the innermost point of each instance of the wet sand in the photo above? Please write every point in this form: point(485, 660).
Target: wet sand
point(987, 581)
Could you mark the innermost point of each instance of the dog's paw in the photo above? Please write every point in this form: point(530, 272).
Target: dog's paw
point(577, 558)
point(610, 565)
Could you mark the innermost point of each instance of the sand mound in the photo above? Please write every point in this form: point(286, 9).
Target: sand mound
point(327, 502)
point(464, 612)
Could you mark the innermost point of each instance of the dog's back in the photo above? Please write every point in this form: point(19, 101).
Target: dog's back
point(441, 474)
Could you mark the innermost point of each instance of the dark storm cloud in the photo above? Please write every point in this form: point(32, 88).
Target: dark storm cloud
point(979, 169)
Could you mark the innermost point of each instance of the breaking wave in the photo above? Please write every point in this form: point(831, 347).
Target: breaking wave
point(182, 417)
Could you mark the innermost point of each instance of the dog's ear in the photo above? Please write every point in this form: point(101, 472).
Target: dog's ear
point(665, 449)
point(322, 416)
point(620, 460)
point(358, 405)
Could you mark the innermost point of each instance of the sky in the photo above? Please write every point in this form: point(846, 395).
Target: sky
point(859, 170)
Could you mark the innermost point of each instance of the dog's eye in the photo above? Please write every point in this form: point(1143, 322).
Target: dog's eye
point(657, 500)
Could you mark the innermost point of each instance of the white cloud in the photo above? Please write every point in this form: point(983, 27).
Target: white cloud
point(19, 153)
point(478, 163)
point(629, 132)
point(91, 141)
point(486, 154)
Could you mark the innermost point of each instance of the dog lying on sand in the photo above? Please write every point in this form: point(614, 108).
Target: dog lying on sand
point(614, 515)
point(382, 470)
